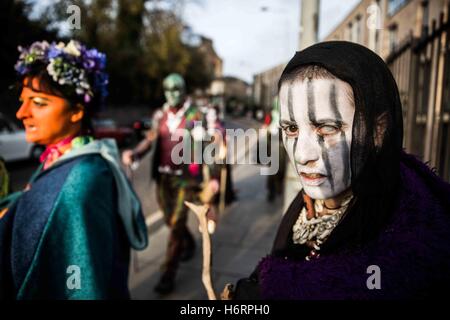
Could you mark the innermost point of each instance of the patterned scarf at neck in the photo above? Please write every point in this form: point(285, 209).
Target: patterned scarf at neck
point(312, 228)
point(55, 151)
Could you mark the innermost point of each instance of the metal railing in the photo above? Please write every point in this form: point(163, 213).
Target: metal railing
point(421, 67)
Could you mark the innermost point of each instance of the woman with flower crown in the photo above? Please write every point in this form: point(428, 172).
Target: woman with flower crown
point(68, 234)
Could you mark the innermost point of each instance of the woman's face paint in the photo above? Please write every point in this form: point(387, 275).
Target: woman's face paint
point(47, 119)
point(317, 120)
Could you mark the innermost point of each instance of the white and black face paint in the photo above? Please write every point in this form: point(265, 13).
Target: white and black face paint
point(317, 120)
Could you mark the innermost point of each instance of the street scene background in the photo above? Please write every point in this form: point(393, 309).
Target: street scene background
point(231, 56)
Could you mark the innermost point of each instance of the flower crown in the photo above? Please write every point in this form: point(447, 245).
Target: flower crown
point(70, 64)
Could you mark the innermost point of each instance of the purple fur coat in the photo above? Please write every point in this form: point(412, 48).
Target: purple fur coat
point(412, 253)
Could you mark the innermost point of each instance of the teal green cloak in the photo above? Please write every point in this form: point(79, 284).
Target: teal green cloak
point(68, 237)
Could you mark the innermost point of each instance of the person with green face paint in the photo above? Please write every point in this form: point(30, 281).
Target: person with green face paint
point(174, 89)
point(176, 183)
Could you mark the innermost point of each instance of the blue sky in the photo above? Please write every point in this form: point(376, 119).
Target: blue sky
point(251, 40)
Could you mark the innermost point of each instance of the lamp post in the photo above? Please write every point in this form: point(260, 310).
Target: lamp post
point(269, 10)
point(309, 34)
point(309, 23)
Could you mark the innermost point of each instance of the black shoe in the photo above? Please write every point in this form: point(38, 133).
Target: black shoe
point(165, 285)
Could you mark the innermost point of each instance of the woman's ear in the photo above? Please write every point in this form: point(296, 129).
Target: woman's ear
point(77, 113)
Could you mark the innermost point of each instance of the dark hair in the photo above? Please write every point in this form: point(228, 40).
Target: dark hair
point(306, 72)
point(45, 84)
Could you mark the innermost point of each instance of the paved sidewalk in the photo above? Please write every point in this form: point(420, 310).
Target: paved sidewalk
point(244, 235)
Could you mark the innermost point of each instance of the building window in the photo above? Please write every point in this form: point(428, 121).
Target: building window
point(377, 41)
point(425, 16)
point(349, 32)
point(354, 32)
point(358, 31)
point(374, 24)
point(395, 5)
point(392, 37)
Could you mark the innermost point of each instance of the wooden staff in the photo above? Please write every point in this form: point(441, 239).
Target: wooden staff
point(200, 212)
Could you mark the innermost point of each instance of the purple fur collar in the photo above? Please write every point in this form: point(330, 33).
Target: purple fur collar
point(413, 252)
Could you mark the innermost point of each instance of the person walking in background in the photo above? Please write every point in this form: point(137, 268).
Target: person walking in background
point(177, 183)
point(68, 234)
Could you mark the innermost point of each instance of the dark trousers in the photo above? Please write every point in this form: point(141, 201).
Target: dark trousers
point(171, 194)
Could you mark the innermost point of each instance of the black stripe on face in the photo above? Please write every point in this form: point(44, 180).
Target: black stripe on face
point(292, 118)
point(333, 103)
point(311, 101)
point(326, 161)
point(345, 149)
point(345, 158)
point(290, 106)
point(320, 139)
point(294, 148)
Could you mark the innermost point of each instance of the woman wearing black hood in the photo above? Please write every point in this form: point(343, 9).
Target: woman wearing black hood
point(371, 221)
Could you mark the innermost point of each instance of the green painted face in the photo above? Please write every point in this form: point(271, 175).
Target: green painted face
point(174, 89)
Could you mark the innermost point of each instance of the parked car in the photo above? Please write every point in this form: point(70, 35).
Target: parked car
point(140, 127)
point(108, 128)
point(13, 146)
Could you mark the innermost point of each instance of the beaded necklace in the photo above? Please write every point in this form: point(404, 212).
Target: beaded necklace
point(313, 231)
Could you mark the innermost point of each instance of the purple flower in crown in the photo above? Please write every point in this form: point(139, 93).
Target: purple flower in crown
point(101, 82)
point(36, 52)
point(70, 64)
point(94, 59)
point(21, 68)
point(54, 51)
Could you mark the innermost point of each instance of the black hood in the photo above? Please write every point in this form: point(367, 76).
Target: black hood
point(374, 166)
